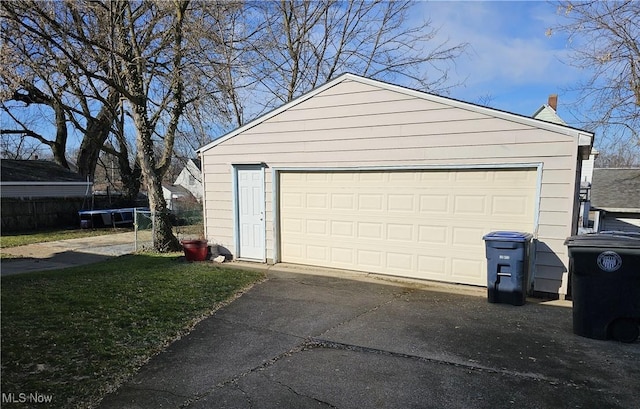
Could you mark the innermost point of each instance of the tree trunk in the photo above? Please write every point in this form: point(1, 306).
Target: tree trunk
point(130, 178)
point(163, 237)
point(98, 130)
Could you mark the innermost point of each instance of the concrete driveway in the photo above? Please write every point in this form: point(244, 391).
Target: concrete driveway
point(67, 253)
point(306, 340)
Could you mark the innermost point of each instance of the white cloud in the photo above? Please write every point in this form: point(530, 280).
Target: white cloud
point(508, 48)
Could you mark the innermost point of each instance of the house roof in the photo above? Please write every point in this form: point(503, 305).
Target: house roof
point(197, 163)
point(616, 190)
point(177, 190)
point(585, 137)
point(36, 171)
point(548, 114)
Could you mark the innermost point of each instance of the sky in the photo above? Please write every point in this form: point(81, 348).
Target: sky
point(511, 63)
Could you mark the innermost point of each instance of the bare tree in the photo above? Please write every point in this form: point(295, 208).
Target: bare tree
point(604, 39)
point(105, 54)
point(181, 70)
point(36, 73)
point(305, 44)
point(20, 64)
point(150, 48)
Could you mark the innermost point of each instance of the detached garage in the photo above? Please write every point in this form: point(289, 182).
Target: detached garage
point(368, 176)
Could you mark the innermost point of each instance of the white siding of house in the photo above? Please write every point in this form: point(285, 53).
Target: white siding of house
point(190, 179)
point(357, 125)
point(587, 168)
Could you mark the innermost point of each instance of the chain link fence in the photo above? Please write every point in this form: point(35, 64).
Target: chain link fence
point(143, 225)
point(187, 221)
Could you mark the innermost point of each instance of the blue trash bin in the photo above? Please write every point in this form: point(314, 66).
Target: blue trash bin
point(507, 266)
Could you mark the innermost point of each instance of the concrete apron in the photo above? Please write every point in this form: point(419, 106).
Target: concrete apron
point(67, 253)
point(307, 340)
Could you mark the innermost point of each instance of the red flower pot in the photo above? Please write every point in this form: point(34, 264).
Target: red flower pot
point(195, 250)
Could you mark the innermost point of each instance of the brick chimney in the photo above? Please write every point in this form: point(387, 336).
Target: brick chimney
point(553, 101)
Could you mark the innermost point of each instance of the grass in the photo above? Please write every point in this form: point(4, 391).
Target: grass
point(77, 333)
point(20, 239)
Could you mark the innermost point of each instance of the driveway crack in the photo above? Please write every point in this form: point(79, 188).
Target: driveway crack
point(326, 344)
point(320, 401)
point(234, 380)
point(396, 297)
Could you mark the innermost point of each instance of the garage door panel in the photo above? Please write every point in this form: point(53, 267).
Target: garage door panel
point(505, 206)
point(317, 201)
point(400, 262)
point(434, 266)
point(292, 226)
point(342, 228)
point(293, 251)
point(400, 203)
point(400, 232)
point(342, 255)
point(371, 202)
point(369, 258)
point(467, 236)
point(433, 234)
point(317, 227)
point(434, 203)
point(471, 205)
point(423, 224)
point(468, 269)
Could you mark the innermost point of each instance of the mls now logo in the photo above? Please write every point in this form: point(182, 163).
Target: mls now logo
point(609, 261)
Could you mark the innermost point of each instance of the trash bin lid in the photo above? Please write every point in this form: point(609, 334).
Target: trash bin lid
point(508, 236)
point(620, 239)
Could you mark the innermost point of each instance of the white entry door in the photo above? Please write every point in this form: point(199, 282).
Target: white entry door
point(250, 211)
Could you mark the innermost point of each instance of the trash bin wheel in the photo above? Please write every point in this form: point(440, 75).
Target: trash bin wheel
point(624, 330)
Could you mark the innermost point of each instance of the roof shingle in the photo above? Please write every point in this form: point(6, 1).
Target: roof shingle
point(616, 188)
point(35, 171)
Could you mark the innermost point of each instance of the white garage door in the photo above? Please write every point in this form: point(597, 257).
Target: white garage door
point(422, 224)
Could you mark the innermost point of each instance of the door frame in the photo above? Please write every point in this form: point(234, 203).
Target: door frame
point(236, 210)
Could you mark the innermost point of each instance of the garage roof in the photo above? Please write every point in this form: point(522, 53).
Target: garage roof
point(585, 138)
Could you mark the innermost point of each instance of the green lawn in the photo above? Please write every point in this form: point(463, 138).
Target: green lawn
point(21, 239)
point(74, 334)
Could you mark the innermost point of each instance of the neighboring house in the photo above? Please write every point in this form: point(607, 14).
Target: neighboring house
point(39, 193)
point(174, 194)
point(549, 112)
point(363, 175)
point(615, 199)
point(40, 178)
point(190, 178)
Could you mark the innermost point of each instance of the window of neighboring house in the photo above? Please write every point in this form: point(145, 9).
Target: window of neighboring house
point(192, 180)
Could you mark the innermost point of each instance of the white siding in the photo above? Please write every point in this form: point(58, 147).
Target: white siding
point(587, 168)
point(357, 125)
point(191, 179)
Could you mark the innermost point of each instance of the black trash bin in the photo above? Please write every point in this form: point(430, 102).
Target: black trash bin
point(507, 266)
point(605, 285)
